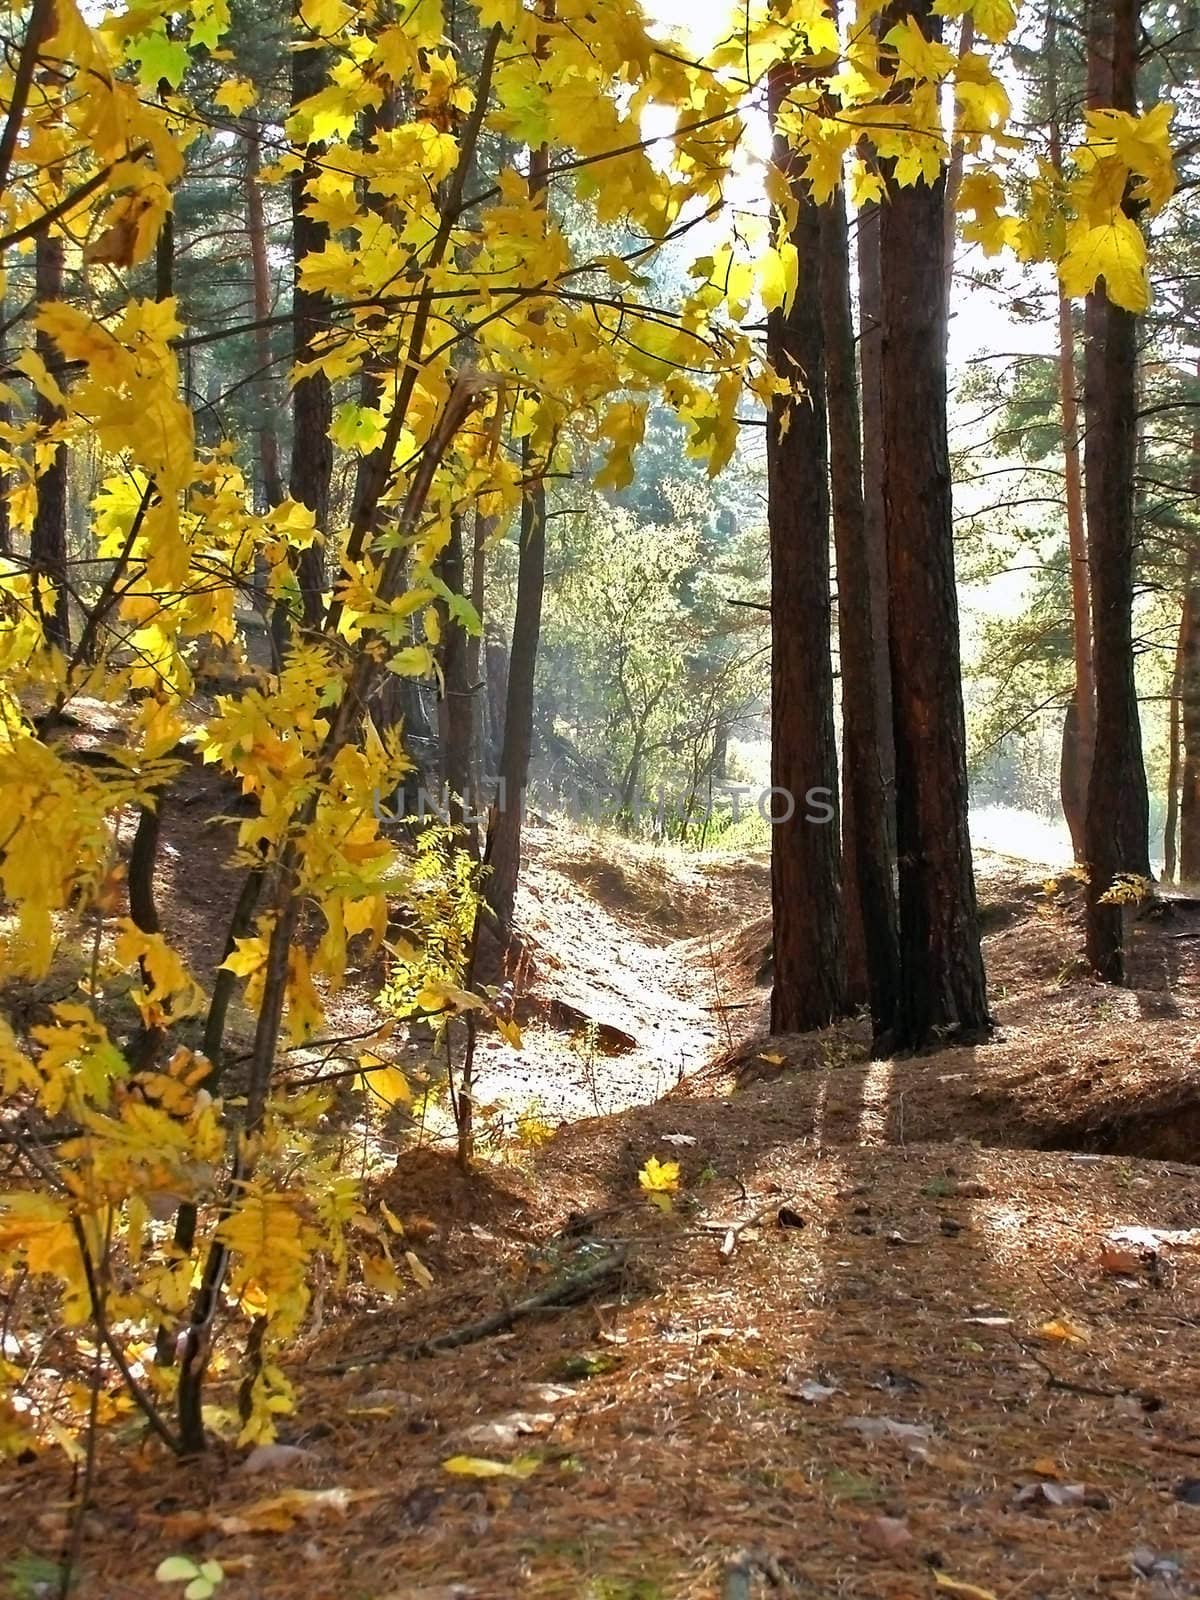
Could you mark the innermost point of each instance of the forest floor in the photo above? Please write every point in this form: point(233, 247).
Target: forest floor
point(910, 1328)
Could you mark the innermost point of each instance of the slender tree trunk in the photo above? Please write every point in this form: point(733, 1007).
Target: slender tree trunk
point(312, 398)
point(48, 540)
point(260, 275)
point(1189, 705)
point(1077, 756)
point(809, 940)
point(631, 786)
point(954, 178)
point(1117, 827)
point(475, 654)
point(943, 991)
point(5, 419)
point(504, 828)
point(1079, 727)
point(374, 120)
point(870, 910)
point(504, 833)
point(870, 356)
point(496, 657)
point(457, 705)
point(1174, 736)
point(143, 853)
point(1188, 672)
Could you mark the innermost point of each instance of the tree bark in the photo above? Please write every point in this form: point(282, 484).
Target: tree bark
point(943, 990)
point(870, 356)
point(48, 539)
point(1117, 828)
point(504, 826)
point(1174, 739)
point(1077, 758)
point(1079, 728)
point(143, 852)
point(1189, 705)
point(5, 419)
point(1188, 694)
point(312, 399)
point(260, 277)
point(475, 654)
point(504, 830)
point(374, 119)
point(495, 653)
point(954, 178)
point(806, 903)
point(872, 938)
point(457, 706)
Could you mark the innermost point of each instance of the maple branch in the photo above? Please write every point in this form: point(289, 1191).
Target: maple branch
point(108, 594)
point(143, 1402)
point(46, 218)
point(39, 23)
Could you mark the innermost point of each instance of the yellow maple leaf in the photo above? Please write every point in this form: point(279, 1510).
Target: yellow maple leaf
point(305, 1013)
point(969, 1591)
point(1114, 250)
point(994, 19)
point(419, 1270)
point(480, 1467)
point(385, 1080)
point(508, 1030)
point(917, 56)
point(777, 275)
point(235, 95)
point(1064, 1331)
point(659, 1177)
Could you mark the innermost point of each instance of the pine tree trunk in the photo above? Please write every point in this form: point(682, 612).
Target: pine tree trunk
point(1072, 779)
point(376, 119)
point(870, 902)
point(1174, 739)
point(5, 419)
point(808, 937)
point(1078, 752)
point(943, 991)
point(260, 278)
point(1188, 672)
point(1079, 727)
point(475, 658)
point(954, 178)
point(143, 853)
point(312, 399)
point(457, 705)
point(1189, 706)
point(1117, 827)
point(504, 831)
point(870, 357)
point(504, 826)
point(496, 657)
point(48, 539)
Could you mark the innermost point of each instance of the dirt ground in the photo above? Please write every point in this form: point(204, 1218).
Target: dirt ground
point(908, 1328)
